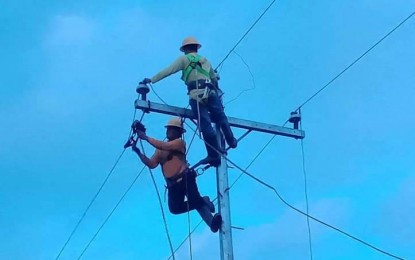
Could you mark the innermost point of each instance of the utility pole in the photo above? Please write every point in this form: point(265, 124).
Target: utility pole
point(225, 235)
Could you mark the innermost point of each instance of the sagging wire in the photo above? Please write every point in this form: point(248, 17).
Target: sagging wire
point(252, 78)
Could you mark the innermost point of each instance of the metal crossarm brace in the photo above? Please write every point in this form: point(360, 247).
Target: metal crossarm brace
point(235, 122)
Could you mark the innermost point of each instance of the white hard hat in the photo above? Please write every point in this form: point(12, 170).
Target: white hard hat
point(189, 41)
point(175, 122)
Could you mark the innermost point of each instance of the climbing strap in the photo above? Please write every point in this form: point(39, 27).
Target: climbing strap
point(194, 63)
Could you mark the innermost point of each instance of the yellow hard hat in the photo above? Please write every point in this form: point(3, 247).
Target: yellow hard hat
point(175, 122)
point(190, 40)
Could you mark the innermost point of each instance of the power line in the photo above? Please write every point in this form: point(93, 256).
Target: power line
point(112, 211)
point(90, 204)
point(250, 28)
point(354, 62)
point(96, 194)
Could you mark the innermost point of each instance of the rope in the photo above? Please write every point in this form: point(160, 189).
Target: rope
point(160, 204)
point(188, 221)
point(190, 145)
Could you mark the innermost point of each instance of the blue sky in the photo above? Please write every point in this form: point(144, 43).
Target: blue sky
point(67, 86)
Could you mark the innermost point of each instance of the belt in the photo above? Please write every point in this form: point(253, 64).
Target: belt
point(199, 84)
point(171, 181)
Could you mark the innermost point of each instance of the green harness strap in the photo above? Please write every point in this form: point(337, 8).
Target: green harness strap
point(194, 64)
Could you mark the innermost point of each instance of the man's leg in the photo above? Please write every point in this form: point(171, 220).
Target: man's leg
point(176, 195)
point(209, 134)
point(218, 116)
point(202, 206)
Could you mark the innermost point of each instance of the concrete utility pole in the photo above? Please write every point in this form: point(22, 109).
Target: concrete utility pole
point(225, 237)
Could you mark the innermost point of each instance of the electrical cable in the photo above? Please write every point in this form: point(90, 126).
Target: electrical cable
point(97, 193)
point(112, 211)
point(246, 33)
point(89, 205)
point(355, 61)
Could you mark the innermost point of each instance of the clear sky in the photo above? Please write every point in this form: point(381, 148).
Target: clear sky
point(68, 75)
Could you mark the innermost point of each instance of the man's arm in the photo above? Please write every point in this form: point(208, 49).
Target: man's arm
point(175, 145)
point(176, 66)
point(150, 162)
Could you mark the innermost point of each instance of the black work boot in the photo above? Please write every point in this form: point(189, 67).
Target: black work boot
point(216, 223)
point(209, 204)
point(227, 132)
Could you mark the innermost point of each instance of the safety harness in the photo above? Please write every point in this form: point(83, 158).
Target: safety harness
point(194, 64)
